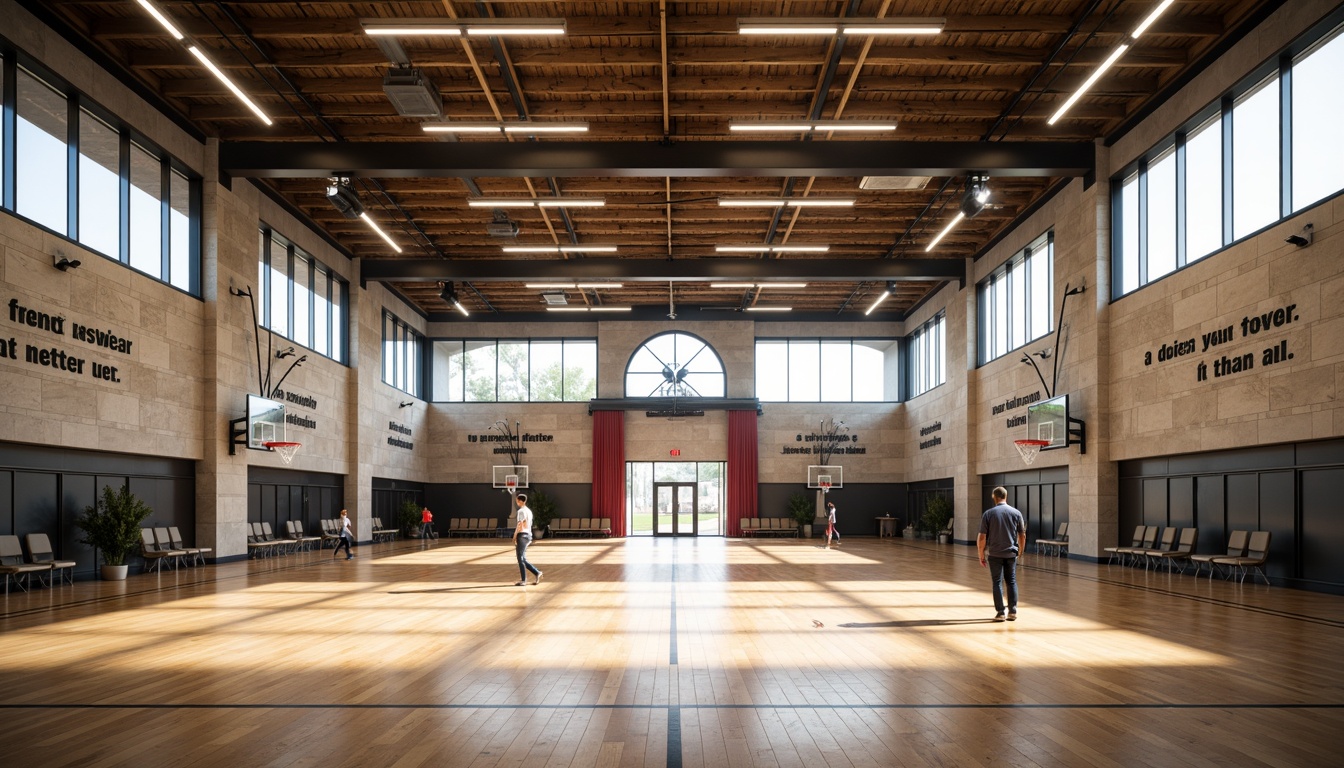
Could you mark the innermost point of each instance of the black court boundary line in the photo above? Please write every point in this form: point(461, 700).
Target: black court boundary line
point(678, 707)
point(1305, 618)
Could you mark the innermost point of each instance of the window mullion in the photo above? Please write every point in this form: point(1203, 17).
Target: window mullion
point(1228, 131)
point(1143, 223)
point(165, 217)
point(1182, 186)
point(1285, 136)
point(72, 167)
point(124, 189)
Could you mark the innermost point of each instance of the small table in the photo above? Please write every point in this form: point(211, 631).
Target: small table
point(886, 526)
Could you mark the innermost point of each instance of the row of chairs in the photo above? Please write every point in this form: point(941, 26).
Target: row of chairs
point(41, 562)
point(263, 542)
point(160, 546)
point(1247, 551)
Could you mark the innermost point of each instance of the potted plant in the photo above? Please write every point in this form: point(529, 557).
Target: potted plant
point(112, 526)
point(800, 509)
point(937, 514)
point(408, 518)
point(544, 510)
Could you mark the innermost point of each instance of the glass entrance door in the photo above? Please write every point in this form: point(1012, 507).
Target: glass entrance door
point(674, 512)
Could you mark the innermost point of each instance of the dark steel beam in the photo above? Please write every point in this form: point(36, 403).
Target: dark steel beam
point(275, 160)
point(661, 270)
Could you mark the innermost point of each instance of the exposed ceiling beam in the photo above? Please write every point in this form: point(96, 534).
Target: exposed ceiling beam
point(662, 270)
point(625, 159)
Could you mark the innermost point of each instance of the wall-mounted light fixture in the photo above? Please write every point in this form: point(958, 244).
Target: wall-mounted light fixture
point(1301, 239)
point(63, 262)
point(407, 404)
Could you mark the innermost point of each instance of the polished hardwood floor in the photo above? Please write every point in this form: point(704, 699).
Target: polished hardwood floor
point(690, 652)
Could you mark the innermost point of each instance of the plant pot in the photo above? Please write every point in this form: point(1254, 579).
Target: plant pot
point(943, 538)
point(114, 572)
point(807, 530)
point(908, 533)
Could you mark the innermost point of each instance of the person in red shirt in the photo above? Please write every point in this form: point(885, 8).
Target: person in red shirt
point(426, 524)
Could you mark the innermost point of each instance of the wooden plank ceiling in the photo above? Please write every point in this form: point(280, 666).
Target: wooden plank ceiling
point(667, 71)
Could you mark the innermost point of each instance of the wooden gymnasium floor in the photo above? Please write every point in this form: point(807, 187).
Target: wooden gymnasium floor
point(668, 653)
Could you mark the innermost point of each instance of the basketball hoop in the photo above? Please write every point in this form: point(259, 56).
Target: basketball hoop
point(511, 482)
point(286, 450)
point(1029, 449)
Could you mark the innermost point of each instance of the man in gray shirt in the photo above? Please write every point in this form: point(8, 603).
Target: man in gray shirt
point(1003, 535)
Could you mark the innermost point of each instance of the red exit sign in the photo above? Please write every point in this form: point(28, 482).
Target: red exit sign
point(675, 452)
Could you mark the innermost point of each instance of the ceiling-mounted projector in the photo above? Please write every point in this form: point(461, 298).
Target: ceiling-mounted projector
point(412, 94)
point(505, 228)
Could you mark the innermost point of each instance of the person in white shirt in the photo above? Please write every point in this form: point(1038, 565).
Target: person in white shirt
point(346, 536)
point(831, 530)
point(522, 536)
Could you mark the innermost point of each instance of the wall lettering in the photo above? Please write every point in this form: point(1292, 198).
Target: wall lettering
point(1014, 402)
point(1226, 365)
point(57, 357)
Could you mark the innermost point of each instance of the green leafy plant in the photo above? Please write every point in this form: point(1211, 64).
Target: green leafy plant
point(112, 524)
point(800, 508)
point(937, 513)
point(543, 506)
point(408, 518)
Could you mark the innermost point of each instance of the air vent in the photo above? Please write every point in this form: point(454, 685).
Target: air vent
point(555, 299)
point(893, 182)
point(505, 228)
point(411, 94)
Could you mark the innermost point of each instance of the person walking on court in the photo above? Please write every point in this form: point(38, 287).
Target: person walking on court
point(522, 536)
point(426, 524)
point(346, 536)
point(831, 530)
point(1003, 536)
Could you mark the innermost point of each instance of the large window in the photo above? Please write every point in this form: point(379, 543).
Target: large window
point(81, 173)
point(402, 347)
point(675, 364)
point(298, 297)
point(827, 370)
point(1015, 300)
point(513, 370)
point(928, 355)
point(1266, 150)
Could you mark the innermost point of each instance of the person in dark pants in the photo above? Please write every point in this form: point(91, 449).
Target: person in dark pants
point(346, 536)
point(426, 524)
point(1003, 536)
point(522, 536)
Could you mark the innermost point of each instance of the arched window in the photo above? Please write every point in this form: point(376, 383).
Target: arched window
point(675, 364)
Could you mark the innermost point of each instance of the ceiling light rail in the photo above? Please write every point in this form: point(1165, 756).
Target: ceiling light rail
point(1110, 61)
point(787, 202)
point(537, 202)
point(558, 249)
point(771, 248)
point(808, 126)
point(502, 128)
point(759, 25)
point(439, 27)
point(757, 286)
point(205, 61)
point(572, 286)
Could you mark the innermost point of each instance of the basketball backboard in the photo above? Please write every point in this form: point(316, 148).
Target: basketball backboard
point(265, 422)
point(510, 477)
point(826, 476)
point(1048, 420)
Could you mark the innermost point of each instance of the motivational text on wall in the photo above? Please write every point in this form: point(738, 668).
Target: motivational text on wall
point(58, 357)
point(1227, 365)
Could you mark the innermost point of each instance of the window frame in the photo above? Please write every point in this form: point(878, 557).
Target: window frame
point(78, 105)
point(790, 343)
point(1041, 249)
point(338, 307)
point(1276, 71)
point(927, 362)
point(564, 343)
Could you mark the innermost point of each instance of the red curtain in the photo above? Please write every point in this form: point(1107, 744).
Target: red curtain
point(609, 468)
point(742, 469)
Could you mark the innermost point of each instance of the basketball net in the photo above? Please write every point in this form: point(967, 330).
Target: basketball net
point(287, 451)
point(1029, 448)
